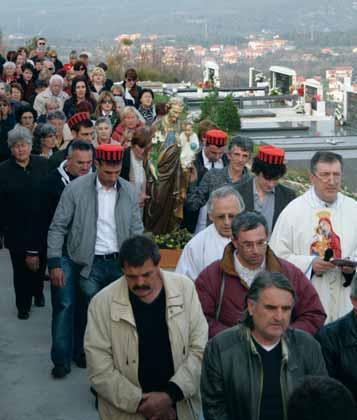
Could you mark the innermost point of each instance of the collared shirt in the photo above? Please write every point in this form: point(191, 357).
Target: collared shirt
point(202, 217)
point(245, 273)
point(208, 164)
point(317, 202)
point(265, 207)
point(106, 241)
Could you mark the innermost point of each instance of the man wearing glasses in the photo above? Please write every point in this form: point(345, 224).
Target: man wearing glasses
point(208, 245)
point(222, 287)
point(316, 232)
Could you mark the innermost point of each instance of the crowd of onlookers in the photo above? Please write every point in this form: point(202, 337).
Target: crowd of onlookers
point(35, 84)
point(87, 165)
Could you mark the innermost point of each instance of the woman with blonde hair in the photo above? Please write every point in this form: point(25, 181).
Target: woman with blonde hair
point(98, 79)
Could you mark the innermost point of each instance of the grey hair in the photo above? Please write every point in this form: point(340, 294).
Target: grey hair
point(52, 100)
point(119, 86)
point(224, 192)
point(56, 77)
point(82, 145)
point(9, 64)
point(56, 115)
point(248, 221)
point(19, 134)
point(46, 130)
point(101, 120)
point(262, 281)
point(353, 293)
point(7, 87)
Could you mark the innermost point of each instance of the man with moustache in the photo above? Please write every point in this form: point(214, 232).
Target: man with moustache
point(145, 339)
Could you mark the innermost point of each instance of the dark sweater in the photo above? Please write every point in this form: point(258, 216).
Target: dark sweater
point(156, 365)
point(271, 406)
point(20, 197)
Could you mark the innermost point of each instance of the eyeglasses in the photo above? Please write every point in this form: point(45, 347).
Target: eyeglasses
point(107, 101)
point(223, 216)
point(41, 43)
point(53, 56)
point(249, 246)
point(326, 176)
point(130, 80)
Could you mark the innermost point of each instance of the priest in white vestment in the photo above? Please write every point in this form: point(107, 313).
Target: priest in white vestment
point(318, 227)
point(208, 245)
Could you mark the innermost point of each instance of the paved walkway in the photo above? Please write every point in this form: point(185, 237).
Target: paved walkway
point(27, 390)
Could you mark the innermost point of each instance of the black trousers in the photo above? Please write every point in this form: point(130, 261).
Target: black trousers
point(26, 282)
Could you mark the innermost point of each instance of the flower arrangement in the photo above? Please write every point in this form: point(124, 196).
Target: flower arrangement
point(339, 114)
point(259, 78)
point(275, 92)
point(177, 239)
point(156, 142)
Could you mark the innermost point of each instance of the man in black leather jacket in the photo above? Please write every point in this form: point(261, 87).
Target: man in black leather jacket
point(249, 371)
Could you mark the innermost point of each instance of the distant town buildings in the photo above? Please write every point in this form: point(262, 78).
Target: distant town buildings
point(337, 78)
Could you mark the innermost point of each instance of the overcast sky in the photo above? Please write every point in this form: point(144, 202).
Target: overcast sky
point(107, 18)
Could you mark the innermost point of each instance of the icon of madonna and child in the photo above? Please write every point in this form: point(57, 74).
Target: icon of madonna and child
point(325, 237)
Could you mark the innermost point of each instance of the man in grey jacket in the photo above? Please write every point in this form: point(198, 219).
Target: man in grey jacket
point(95, 214)
point(250, 370)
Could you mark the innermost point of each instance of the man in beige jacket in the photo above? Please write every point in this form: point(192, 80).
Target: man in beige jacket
point(145, 338)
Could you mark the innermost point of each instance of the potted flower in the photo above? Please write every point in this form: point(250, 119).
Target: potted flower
point(171, 245)
point(339, 115)
point(156, 142)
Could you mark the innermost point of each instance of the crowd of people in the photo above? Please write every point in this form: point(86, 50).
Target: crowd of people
point(262, 306)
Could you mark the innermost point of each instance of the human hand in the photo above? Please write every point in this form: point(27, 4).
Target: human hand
point(320, 266)
point(193, 174)
point(32, 262)
point(57, 277)
point(156, 405)
point(142, 198)
point(348, 269)
point(170, 415)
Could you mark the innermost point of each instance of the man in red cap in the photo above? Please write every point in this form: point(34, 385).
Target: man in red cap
point(212, 156)
point(82, 128)
point(263, 193)
point(96, 213)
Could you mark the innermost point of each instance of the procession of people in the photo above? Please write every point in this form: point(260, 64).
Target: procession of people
point(264, 295)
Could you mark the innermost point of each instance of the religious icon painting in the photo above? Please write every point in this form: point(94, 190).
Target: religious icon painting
point(324, 236)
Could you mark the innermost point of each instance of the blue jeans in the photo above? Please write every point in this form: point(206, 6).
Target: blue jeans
point(68, 317)
point(102, 274)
